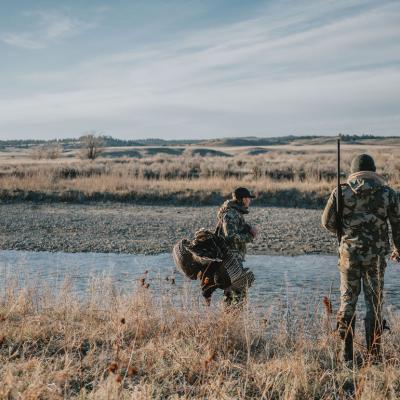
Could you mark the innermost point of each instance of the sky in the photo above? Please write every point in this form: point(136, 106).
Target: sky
point(198, 69)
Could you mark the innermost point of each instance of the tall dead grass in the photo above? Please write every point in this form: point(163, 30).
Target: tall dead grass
point(163, 175)
point(111, 345)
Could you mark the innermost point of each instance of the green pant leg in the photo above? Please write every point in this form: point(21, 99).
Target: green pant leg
point(373, 280)
point(350, 287)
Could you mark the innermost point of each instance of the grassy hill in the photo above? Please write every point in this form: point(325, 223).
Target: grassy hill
point(250, 141)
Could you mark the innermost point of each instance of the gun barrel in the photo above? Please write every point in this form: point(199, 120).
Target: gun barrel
point(339, 200)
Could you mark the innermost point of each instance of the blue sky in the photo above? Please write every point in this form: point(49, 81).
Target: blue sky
point(199, 69)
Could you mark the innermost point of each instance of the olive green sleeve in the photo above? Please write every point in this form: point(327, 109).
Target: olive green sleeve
point(394, 218)
point(328, 219)
point(230, 226)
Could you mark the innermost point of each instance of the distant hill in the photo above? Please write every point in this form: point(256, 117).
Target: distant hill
point(299, 140)
point(254, 141)
point(204, 152)
point(250, 141)
point(107, 141)
point(111, 142)
point(256, 151)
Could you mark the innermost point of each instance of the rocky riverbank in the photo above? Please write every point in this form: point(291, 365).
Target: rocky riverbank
point(117, 227)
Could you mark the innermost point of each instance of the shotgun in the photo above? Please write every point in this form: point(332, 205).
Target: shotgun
point(339, 199)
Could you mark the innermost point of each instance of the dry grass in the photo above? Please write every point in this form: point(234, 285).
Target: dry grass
point(309, 170)
point(120, 184)
point(139, 346)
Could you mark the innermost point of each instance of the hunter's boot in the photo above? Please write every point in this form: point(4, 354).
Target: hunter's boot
point(234, 298)
point(227, 297)
point(373, 337)
point(239, 298)
point(346, 330)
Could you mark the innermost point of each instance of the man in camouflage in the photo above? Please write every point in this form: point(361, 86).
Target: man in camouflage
point(216, 257)
point(233, 228)
point(369, 206)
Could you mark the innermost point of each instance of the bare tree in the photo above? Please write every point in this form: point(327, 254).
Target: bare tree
point(49, 151)
point(91, 145)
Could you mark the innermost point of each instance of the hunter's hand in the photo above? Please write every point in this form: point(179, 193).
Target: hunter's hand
point(253, 232)
point(395, 256)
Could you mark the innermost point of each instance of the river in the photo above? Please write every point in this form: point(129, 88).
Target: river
point(301, 280)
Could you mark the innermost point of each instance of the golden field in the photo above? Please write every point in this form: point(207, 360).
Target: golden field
point(111, 345)
point(147, 344)
point(185, 174)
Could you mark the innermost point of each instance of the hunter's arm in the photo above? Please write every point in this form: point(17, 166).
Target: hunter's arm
point(329, 216)
point(394, 218)
point(230, 226)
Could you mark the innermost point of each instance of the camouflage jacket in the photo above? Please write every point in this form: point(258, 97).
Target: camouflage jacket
point(233, 227)
point(369, 206)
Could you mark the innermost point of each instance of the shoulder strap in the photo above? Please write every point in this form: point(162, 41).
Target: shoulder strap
point(218, 227)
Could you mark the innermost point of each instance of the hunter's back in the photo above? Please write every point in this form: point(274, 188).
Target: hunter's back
point(366, 206)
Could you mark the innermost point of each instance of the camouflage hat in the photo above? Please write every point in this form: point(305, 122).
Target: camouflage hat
point(363, 162)
point(241, 193)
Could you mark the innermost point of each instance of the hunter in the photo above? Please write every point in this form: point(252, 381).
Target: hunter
point(368, 207)
point(237, 233)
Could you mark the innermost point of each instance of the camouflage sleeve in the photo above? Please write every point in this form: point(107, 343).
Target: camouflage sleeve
point(394, 218)
point(230, 226)
point(328, 218)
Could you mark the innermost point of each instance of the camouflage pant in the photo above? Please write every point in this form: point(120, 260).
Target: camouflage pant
point(368, 274)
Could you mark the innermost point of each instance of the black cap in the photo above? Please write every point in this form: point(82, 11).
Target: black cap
point(363, 162)
point(241, 193)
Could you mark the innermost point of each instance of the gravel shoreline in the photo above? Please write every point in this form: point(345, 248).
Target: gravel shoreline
point(125, 228)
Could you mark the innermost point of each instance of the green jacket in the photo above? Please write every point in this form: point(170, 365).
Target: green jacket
point(233, 226)
point(369, 206)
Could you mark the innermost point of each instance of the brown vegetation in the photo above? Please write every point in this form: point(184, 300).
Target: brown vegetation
point(285, 175)
point(115, 346)
point(49, 152)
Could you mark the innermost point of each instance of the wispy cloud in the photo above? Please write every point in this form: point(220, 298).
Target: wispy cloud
point(22, 40)
point(45, 28)
point(298, 69)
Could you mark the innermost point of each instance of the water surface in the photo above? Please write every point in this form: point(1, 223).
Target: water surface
point(301, 280)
